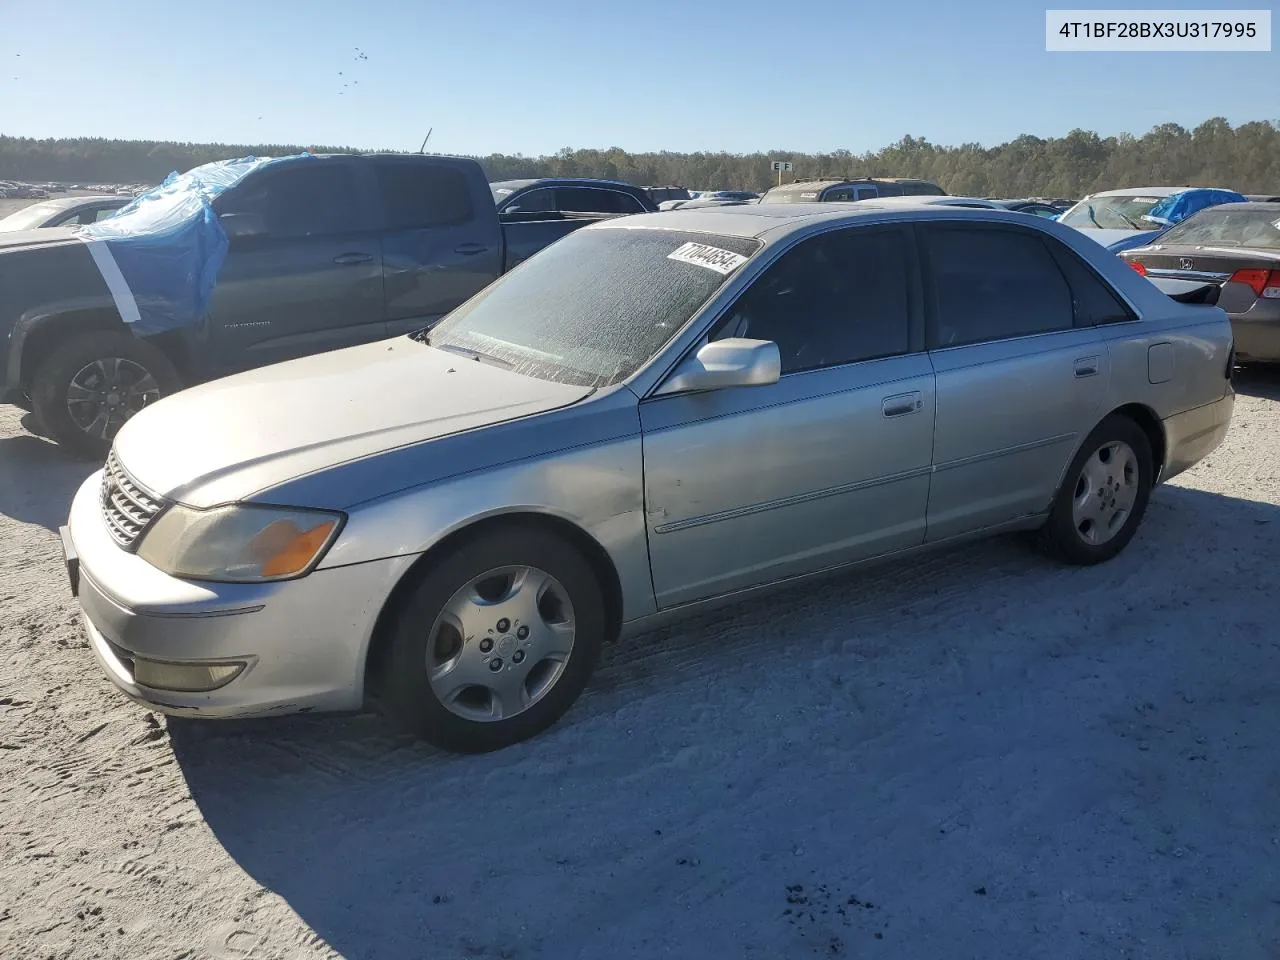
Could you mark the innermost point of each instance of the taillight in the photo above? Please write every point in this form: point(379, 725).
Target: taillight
point(1139, 266)
point(1263, 283)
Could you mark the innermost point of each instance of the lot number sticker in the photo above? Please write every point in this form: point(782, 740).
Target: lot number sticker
point(713, 258)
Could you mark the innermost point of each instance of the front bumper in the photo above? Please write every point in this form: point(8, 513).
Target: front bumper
point(303, 642)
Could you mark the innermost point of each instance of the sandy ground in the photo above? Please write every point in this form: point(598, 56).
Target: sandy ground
point(975, 755)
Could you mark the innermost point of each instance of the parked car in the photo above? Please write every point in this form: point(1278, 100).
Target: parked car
point(1238, 247)
point(1121, 219)
point(324, 252)
point(661, 195)
point(571, 195)
point(744, 196)
point(845, 189)
point(64, 212)
point(651, 416)
point(1262, 197)
point(981, 203)
point(703, 201)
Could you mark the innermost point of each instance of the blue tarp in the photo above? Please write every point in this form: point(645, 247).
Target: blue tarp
point(167, 246)
point(1179, 206)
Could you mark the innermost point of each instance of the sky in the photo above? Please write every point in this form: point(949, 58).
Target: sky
point(533, 77)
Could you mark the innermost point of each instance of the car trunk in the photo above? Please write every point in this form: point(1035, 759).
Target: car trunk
point(1214, 264)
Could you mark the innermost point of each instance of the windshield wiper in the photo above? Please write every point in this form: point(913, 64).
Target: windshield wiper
point(473, 355)
point(1089, 210)
point(1131, 222)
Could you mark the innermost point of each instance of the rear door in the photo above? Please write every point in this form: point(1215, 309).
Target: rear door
point(1020, 381)
point(828, 465)
point(313, 282)
point(441, 243)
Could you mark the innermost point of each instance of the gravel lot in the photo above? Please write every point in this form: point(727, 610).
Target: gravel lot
point(977, 754)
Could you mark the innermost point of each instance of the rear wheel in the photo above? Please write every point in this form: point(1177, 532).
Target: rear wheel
point(1104, 496)
point(86, 389)
point(494, 642)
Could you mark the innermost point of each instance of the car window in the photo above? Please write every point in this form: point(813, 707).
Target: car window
point(1093, 299)
point(595, 200)
point(838, 298)
point(890, 190)
point(542, 200)
point(1226, 225)
point(305, 199)
point(867, 193)
point(591, 309)
point(993, 284)
point(416, 195)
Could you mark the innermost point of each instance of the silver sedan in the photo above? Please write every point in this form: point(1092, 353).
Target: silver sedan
point(655, 414)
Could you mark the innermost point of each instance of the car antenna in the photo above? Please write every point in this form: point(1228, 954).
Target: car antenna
point(423, 148)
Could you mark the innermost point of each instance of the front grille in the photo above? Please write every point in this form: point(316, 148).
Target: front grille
point(126, 506)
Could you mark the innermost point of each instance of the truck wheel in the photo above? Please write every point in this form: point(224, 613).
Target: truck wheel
point(86, 389)
point(494, 642)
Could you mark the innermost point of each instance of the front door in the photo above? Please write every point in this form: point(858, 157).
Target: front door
point(831, 464)
point(313, 283)
point(1019, 382)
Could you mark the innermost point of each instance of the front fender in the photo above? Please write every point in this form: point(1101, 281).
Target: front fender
point(72, 311)
point(597, 488)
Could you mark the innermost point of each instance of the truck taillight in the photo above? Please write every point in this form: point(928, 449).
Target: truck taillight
point(1139, 266)
point(1263, 282)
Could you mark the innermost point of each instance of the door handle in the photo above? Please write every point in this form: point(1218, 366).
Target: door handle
point(349, 258)
point(1086, 367)
point(470, 249)
point(902, 404)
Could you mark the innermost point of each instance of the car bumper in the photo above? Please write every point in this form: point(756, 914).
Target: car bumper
point(1257, 332)
point(1194, 434)
point(300, 645)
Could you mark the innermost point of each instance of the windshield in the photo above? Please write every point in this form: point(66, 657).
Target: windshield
point(28, 218)
point(593, 308)
point(1224, 226)
point(1111, 213)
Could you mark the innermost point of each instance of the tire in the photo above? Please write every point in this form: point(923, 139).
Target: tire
point(440, 631)
point(86, 427)
point(1103, 496)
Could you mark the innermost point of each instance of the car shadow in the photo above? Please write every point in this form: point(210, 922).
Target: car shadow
point(1259, 380)
point(38, 478)
point(591, 834)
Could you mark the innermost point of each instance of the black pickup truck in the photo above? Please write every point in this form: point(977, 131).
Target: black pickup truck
point(327, 253)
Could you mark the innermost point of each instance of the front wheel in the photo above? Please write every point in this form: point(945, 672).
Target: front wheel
point(86, 389)
point(1104, 495)
point(494, 642)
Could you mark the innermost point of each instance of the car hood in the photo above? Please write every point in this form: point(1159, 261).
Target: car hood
point(228, 439)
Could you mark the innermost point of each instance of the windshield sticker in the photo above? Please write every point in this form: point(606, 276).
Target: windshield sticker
point(713, 258)
point(808, 196)
point(1276, 224)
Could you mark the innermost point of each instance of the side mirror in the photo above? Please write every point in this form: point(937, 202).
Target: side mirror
point(735, 362)
point(242, 227)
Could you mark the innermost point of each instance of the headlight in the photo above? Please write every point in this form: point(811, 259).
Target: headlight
point(240, 543)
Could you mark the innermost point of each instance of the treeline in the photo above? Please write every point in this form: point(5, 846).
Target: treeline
point(1244, 158)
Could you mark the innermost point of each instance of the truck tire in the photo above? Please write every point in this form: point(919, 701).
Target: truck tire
point(87, 387)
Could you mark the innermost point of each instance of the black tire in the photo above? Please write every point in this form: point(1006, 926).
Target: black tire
point(1061, 537)
point(404, 693)
point(52, 384)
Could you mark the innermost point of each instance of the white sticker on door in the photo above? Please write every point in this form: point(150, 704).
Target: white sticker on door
point(713, 258)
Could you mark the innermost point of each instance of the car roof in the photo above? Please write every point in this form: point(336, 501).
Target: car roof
point(67, 203)
point(755, 221)
point(1266, 206)
point(1149, 191)
point(514, 185)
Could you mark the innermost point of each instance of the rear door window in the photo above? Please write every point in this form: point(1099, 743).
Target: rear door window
point(419, 195)
point(992, 283)
point(304, 199)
